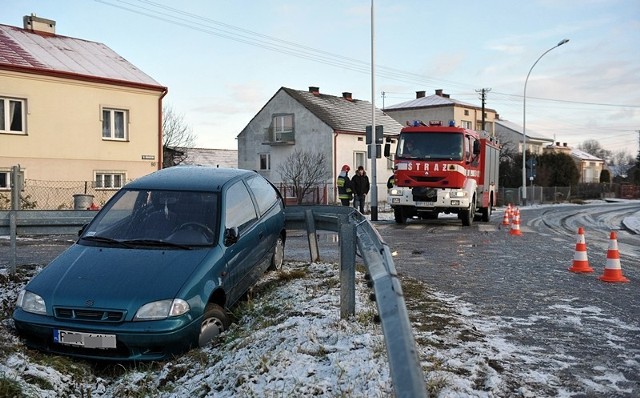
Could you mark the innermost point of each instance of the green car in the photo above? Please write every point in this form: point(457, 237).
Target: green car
point(155, 271)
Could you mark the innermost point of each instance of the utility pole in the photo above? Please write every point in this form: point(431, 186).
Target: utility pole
point(483, 96)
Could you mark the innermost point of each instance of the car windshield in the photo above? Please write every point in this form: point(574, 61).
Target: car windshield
point(430, 146)
point(150, 218)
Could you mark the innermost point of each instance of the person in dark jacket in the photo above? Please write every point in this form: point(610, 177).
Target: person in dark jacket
point(345, 190)
point(360, 183)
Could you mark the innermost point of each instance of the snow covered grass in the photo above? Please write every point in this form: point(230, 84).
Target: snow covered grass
point(287, 340)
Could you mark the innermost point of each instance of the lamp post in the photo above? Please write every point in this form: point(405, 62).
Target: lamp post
point(524, 124)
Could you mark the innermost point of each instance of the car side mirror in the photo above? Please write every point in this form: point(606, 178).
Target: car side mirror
point(387, 150)
point(230, 236)
point(476, 147)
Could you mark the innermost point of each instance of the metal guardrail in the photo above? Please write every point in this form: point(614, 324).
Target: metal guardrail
point(354, 231)
point(406, 372)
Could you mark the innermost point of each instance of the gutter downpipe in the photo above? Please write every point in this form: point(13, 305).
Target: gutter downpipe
point(335, 166)
point(165, 91)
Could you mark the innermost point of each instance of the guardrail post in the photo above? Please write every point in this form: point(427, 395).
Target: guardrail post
point(314, 252)
point(347, 268)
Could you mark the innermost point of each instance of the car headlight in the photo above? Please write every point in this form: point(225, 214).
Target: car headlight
point(31, 302)
point(161, 309)
point(395, 191)
point(458, 194)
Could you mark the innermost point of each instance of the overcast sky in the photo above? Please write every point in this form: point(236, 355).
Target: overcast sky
point(223, 60)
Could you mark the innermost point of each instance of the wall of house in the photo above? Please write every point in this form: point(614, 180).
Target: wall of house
point(64, 129)
point(310, 134)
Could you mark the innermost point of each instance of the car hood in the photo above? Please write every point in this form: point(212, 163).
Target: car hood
point(115, 278)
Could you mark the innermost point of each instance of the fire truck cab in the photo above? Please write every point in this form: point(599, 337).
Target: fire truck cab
point(444, 169)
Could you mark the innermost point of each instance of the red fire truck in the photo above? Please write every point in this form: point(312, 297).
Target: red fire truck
point(446, 169)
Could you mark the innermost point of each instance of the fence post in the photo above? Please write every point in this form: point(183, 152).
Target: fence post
point(347, 268)
point(16, 187)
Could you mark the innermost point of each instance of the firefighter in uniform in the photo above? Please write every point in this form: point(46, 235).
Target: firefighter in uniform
point(345, 192)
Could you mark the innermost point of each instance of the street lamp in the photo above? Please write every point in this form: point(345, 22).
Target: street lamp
point(524, 125)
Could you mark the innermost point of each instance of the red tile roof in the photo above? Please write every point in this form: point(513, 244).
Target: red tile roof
point(39, 53)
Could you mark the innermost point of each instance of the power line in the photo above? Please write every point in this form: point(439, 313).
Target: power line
point(209, 26)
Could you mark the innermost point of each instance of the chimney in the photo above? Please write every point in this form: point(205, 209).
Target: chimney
point(314, 90)
point(346, 95)
point(420, 94)
point(557, 143)
point(439, 92)
point(564, 144)
point(39, 25)
point(445, 95)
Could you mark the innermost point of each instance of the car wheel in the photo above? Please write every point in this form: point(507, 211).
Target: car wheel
point(278, 255)
point(214, 323)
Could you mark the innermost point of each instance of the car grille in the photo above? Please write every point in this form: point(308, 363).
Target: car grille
point(83, 314)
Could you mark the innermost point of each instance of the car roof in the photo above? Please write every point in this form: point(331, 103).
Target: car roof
point(189, 178)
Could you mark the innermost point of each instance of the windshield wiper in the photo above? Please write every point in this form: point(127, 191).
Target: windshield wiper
point(155, 242)
point(104, 239)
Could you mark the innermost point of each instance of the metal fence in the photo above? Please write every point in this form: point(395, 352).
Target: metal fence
point(58, 195)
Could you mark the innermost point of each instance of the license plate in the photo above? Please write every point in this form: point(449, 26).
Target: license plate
point(87, 340)
point(425, 204)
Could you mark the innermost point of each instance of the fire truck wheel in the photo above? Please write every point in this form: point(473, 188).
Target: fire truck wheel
point(399, 214)
point(468, 215)
point(486, 213)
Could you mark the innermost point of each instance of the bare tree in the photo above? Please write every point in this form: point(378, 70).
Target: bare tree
point(593, 147)
point(620, 162)
point(303, 170)
point(176, 136)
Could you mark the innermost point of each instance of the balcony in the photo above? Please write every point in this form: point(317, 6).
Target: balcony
point(272, 137)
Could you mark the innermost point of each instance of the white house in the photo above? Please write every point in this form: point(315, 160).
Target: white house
point(310, 121)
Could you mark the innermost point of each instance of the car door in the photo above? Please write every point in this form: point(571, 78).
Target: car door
point(242, 255)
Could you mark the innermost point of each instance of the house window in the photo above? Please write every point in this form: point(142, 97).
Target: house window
point(5, 180)
point(466, 112)
point(359, 159)
point(114, 124)
point(467, 124)
point(283, 127)
point(265, 161)
point(108, 180)
point(390, 160)
point(12, 116)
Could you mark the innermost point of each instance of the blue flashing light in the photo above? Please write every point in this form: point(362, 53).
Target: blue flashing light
point(452, 123)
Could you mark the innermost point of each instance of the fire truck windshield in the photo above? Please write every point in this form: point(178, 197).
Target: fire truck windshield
point(445, 146)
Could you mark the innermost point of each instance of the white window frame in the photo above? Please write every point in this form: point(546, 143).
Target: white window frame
point(5, 125)
point(279, 126)
point(109, 180)
point(7, 174)
point(467, 124)
point(356, 162)
point(390, 159)
point(267, 157)
point(111, 123)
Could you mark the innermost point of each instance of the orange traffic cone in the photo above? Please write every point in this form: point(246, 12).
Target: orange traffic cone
point(505, 219)
point(612, 270)
point(515, 225)
point(580, 260)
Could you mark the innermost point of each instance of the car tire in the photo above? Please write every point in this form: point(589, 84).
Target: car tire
point(278, 255)
point(215, 322)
